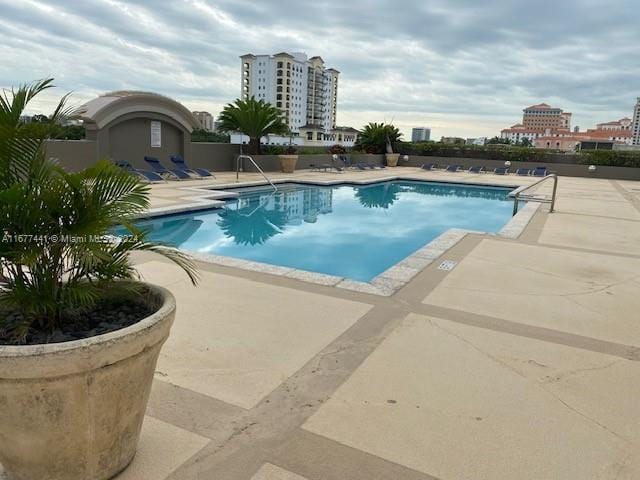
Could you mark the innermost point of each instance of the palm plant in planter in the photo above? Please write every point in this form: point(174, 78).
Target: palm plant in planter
point(380, 138)
point(79, 339)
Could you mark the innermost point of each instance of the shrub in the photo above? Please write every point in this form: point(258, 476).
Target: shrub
point(205, 136)
point(337, 149)
point(612, 158)
point(378, 138)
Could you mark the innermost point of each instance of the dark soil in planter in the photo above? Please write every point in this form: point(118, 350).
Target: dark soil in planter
point(106, 316)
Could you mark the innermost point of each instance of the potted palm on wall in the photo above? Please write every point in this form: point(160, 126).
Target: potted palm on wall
point(79, 337)
point(380, 138)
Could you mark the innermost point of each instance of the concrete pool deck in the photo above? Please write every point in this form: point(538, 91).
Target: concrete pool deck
point(522, 362)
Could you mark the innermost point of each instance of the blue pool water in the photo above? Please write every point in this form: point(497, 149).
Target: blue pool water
point(350, 231)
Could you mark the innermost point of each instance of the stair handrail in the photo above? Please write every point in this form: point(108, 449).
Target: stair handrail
point(241, 156)
point(518, 191)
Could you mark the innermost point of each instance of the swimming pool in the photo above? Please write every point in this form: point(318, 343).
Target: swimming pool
point(351, 231)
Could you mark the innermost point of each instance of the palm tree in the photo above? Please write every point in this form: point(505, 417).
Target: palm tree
point(378, 196)
point(378, 138)
point(56, 256)
point(253, 224)
point(254, 118)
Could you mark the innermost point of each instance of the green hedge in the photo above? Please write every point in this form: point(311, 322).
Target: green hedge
point(611, 158)
point(281, 149)
point(615, 158)
point(489, 152)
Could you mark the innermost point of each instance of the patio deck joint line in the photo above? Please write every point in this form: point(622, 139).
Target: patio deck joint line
point(626, 195)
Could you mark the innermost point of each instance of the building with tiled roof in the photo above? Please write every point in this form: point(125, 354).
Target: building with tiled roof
point(549, 127)
point(622, 124)
point(569, 141)
point(544, 116)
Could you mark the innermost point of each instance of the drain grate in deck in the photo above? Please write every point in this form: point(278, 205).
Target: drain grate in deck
point(447, 265)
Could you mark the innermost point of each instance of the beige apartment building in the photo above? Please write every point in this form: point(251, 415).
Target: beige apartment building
point(206, 120)
point(543, 116)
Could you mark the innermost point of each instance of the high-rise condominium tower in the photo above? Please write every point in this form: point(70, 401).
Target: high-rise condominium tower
point(635, 129)
point(302, 88)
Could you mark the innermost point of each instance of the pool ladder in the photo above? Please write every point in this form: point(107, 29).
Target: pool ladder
point(240, 157)
point(517, 193)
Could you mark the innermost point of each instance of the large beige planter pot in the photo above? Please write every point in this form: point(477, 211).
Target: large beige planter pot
point(74, 410)
point(288, 163)
point(392, 159)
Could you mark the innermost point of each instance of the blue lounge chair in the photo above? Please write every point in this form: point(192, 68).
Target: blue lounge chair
point(476, 169)
point(428, 166)
point(146, 174)
point(180, 164)
point(523, 172)
point(452, 168)
point(539, 172)
point(348, 164)
point(501, 171)
point(160, 169)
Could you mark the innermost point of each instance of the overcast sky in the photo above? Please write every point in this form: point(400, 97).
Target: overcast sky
point(462, 67)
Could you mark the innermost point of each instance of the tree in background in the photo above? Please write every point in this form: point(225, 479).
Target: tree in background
point(40, 125)
point(254, 118)
point(498, 141)
point(206, 136)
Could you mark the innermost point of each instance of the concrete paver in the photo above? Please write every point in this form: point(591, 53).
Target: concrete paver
point(272, 472)
point(236, 340)
point(582, 293)
point(162, 448)
point(459, 402)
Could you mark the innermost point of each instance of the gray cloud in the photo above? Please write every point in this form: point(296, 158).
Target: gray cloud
point(463, 67)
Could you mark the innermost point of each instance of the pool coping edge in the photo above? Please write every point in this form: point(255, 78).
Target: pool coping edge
point(384, 284)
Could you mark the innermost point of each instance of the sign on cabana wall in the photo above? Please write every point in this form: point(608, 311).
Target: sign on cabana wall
point(156, 134)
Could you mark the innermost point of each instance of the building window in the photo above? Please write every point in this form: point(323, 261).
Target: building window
point(279, 104)
point(309, 135)
point(279, 64)
point(279, 96)
point(279, 89)
point(279, 73)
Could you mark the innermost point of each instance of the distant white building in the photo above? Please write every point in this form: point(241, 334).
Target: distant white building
point(477, 141)
point(302, 88)
point(420, 134)
point(206, 120)
point(635, 131)
point(309, 136)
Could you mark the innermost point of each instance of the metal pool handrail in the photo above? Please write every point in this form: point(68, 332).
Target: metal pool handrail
point(517, 193)
point(241, 156)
